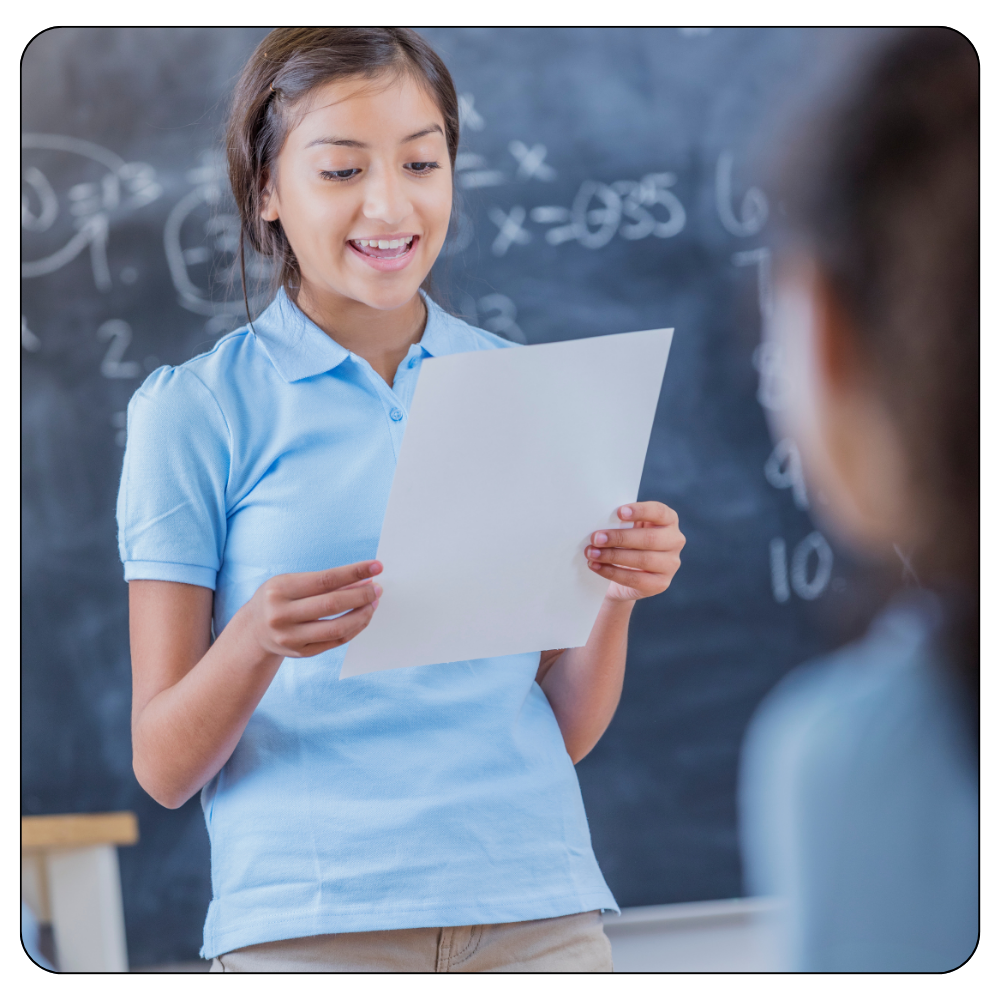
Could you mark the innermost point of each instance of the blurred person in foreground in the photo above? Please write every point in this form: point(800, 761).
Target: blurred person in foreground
point(859, 774)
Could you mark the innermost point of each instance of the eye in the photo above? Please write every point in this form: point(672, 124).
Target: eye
point(339, 175)
point(422, 166)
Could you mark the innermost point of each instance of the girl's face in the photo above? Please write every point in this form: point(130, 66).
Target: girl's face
point(363, 189)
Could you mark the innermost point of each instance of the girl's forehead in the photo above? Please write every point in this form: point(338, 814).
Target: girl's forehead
point(374, 105)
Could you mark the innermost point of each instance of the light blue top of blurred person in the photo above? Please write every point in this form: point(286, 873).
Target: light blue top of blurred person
point(859, 804)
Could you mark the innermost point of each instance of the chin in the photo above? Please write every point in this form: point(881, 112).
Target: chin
point(388, 299)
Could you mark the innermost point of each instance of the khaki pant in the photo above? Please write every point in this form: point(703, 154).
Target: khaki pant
point(576, 943)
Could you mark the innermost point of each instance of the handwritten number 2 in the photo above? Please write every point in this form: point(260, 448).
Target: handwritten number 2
point(119, 335)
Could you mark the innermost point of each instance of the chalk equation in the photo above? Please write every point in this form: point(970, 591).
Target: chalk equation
point(100, 188)
point(474, 171)
point(630, 209)
point(73, 192)
point(201, 244)
point(600, 211)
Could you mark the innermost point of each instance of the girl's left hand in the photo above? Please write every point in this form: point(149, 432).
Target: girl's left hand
point(639, 561)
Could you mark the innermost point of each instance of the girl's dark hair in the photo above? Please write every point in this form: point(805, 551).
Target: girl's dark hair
point(883, 192)
point(286, 65)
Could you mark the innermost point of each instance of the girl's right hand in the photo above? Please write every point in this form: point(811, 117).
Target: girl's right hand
point(289, 615)
point(192, 698)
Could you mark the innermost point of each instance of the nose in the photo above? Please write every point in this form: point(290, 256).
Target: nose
point(386, 199)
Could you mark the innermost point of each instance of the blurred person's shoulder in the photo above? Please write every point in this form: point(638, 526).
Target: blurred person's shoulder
point(868, 701)
point(859, 802)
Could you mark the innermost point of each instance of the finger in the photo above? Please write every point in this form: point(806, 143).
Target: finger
point(329, 634)
point(295, 586)
point(667, 539)
point(643, 583)
point(633, 538)
point(308, 609)
point(647, 560)
point(649, 510)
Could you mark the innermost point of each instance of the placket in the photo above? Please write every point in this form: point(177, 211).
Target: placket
point(395, 406)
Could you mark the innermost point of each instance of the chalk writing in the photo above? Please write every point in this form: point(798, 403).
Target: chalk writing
point(201, 243)
point(511, 229)
point(473, 171)
point(638, 199)
point(48, 201)
point(29, 341)
point(121, 188)
point(906, 558)
point(598, 210)
point(753, 208)
point(468, 116)
point(779, 571)
point(761, 258)
point(768, 357)
point(783, 470)
point(806, 586)
point(531, 162)
point(496, 313)
point(810, 588)
point(119, 335)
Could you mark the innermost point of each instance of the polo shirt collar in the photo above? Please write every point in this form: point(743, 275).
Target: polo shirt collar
point(299, 349)
point(444, 334)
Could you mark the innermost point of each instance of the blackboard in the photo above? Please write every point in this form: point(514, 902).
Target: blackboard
point(605, 184)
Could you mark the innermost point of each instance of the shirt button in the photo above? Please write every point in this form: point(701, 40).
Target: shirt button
point(413, 362)
point(396, 413)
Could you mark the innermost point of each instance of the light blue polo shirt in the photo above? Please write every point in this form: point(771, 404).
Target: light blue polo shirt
point(424, 797)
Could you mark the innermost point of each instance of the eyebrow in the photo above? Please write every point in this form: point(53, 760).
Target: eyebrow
point(355, 144)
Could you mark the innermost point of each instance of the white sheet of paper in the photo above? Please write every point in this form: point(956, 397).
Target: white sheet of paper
point(510, 460)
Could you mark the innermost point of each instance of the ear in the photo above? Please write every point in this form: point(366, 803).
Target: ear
point(268, 200)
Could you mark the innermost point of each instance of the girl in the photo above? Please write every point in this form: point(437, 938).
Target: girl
point(859, 798)
point(427, 818)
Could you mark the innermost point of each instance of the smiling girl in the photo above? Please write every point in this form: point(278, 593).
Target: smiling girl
point(419, 819)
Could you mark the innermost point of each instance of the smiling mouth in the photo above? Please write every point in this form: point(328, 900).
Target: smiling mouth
point(385, 249)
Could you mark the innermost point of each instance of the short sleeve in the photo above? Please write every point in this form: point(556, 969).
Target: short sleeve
point(172, 499)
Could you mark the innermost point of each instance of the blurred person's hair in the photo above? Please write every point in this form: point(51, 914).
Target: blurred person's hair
point(882, 191)
point(287, 65)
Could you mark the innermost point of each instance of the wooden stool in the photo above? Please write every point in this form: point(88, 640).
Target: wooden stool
point(69, 878)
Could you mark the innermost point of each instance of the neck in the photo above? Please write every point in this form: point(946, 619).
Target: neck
point(381, 336)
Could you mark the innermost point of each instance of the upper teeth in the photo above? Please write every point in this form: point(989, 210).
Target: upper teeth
point(384, 244)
